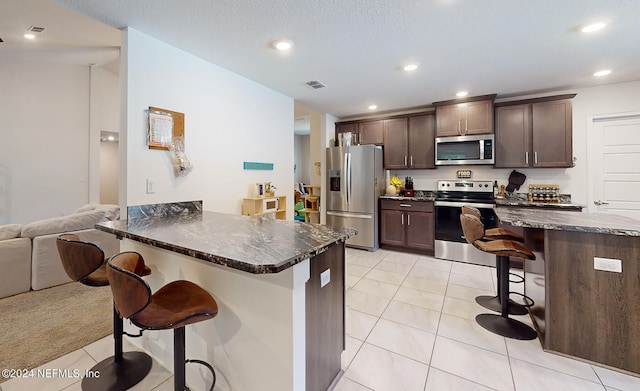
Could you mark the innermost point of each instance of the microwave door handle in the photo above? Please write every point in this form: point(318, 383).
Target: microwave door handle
point(481, 149)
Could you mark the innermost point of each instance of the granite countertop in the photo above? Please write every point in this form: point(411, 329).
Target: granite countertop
point(563, 220)
point(536, 204)
point(253, 244)
point(418, 195)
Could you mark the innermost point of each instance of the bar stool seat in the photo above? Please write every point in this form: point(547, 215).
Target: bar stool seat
point(84, 262)
point(503, 249)
point(173, 306)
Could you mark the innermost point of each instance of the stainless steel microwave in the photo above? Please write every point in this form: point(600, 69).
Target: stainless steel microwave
point(455, 150)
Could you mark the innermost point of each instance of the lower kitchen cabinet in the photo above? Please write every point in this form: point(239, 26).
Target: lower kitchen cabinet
point(407, 224)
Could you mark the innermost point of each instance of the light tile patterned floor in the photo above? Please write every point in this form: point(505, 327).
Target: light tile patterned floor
point(410, 326)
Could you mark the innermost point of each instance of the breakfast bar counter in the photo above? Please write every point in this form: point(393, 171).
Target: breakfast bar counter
point(584, 283)
point(278, 325)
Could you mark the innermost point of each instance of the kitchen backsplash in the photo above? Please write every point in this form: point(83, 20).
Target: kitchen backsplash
point(428, 179)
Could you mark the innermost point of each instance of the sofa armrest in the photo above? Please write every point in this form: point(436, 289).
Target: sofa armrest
point(46, 266)
point(15, 263)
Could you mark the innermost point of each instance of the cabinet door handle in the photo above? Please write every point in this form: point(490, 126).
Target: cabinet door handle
point(526, 158)
point(411, 161)
point(408, 219)
point(535, 157)
point(402, 217)
point(466, 126)
point(459, 127)
point(405, 160)
point(405, 205)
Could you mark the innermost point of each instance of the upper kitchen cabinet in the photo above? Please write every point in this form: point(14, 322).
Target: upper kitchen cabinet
point(363, 132)
point(459, 118)
point(408, 142)
point(371, 132)
point(347, 127)
point(534, 133)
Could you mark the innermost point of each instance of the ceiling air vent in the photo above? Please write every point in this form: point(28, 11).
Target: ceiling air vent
point(36, 29)
point(315, 84)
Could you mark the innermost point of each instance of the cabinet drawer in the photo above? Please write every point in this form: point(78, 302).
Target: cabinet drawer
point(416, 206)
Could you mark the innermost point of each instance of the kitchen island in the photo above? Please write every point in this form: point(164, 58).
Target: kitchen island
point(278, 327)
point(583, 310)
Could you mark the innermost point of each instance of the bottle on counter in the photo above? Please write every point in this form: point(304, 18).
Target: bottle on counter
point(495, 188)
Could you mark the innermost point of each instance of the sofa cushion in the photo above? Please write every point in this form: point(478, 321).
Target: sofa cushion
point(111, 212)
point(87, 207)
point(10, 231)
point(61, 224)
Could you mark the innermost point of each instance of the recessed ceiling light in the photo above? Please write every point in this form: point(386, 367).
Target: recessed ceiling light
point(603, 72)
point(373, 107)
point(282, 44)
point(30, 36)
point(111, 138)
point(461, 94)
point(410, 67)
point(593, 27)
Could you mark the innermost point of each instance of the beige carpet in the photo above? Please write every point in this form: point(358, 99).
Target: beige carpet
point(39, 326)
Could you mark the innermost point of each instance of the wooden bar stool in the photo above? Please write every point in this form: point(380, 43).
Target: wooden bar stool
point(173, 306)
point(493, 302)
point(85, 263)
point(502, 249)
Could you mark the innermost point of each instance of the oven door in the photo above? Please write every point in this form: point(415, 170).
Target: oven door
point(450, 242)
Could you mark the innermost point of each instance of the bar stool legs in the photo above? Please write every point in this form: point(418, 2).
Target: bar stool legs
point(120, 371)
point(493, 303)
point(502, 324)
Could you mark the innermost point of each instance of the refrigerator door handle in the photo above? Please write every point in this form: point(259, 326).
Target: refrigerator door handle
point(345, 178)
point(348, 178)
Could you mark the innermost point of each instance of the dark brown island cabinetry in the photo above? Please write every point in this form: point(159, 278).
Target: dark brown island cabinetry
point(407, 224)
point(408, 143)
point(534, 133)
point(468, 117)
point(365, 132)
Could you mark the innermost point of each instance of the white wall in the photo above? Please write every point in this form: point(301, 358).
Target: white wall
point(109, 169)
point(44, 133)
point(614, 98)
point(302, 158)
point(228, 120)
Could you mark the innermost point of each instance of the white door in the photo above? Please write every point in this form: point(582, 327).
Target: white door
point(614, 164)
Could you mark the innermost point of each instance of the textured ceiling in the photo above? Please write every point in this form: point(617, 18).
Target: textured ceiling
point(357, 47)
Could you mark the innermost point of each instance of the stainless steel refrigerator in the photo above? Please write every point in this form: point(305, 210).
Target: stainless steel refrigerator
point(355, 180)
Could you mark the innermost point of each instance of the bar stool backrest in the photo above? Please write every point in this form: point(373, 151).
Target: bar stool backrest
point(79, 258)
point(472, 227)
point(131, 294)
point(471, 210)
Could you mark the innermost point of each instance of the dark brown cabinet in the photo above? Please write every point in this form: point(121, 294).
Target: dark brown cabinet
point(474, 116)
point(534, 133)
point(409, 142)
point(407, 224)
point(368, 132)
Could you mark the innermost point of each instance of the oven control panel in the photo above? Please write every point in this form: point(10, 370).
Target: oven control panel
point(467, 186)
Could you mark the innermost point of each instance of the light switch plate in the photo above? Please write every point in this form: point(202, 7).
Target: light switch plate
point(607, 264)
point(325, 277)
point(151, 186)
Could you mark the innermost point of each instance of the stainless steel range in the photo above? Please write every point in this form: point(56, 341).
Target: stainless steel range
point(449, 240)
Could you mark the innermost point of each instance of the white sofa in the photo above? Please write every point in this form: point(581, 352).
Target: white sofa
point(28, 254)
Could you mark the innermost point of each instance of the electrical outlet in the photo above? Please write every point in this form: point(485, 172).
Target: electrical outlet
point(607, 264)
point(325, 277)
point(151, 186)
